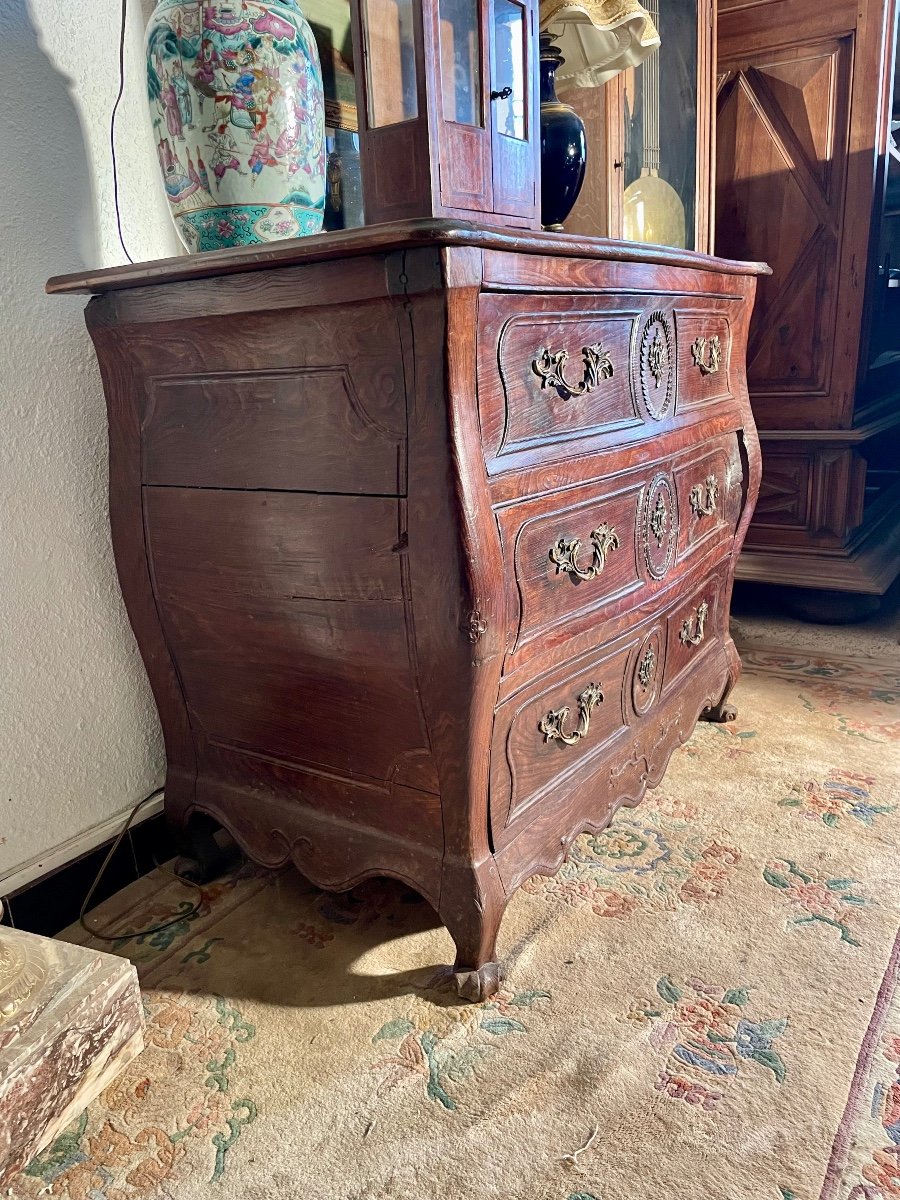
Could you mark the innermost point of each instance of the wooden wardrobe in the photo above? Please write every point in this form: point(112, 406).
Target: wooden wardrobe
point(806, 181)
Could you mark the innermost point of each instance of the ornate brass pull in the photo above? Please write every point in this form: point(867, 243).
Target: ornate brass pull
point(693, 630)
point(646, 668)
point(549, 365)
point(552, 725)
point(659, 520)
point(707, 354)
point(703, 497)
point(604, 539)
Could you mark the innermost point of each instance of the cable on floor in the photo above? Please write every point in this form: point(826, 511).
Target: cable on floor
point(117, 937)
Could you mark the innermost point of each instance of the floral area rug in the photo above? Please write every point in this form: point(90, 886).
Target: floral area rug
point(701, 1005)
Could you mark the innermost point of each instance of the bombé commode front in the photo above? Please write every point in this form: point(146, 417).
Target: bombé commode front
point(427, 535)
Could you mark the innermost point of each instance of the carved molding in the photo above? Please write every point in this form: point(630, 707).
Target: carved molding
point(647, 672)
point(659, 520)
point(659, 526)
point(655, 365)
point(646, 667)
point(476, 626)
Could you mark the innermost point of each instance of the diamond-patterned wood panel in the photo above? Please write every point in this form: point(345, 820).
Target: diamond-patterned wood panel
point(782, 139)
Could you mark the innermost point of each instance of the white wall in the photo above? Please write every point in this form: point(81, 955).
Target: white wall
point(79, 736)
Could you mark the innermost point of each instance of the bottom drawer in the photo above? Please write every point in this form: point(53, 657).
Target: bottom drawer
point(693, 628)
point(584, 721)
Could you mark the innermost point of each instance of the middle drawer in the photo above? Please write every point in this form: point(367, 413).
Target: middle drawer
point(610, 544)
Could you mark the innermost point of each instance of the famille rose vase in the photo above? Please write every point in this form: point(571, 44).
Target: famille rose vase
point(236, 101)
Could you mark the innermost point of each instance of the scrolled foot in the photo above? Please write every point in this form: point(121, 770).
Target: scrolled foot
point(719, 713)
point(479, 985)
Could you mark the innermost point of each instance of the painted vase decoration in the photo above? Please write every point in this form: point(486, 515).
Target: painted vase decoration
point(239, 116)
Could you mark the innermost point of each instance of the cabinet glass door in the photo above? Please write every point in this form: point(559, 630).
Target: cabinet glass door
point(660, 115)
point(392, 62)
point(460, 61)
point(508, 94)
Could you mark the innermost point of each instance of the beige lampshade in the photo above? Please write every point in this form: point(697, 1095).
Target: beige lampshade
point(598, 38)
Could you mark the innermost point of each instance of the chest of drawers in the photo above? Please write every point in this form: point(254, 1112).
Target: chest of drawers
point(427, 536)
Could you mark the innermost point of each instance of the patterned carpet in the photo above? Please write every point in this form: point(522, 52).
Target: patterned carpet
point(701, 1005)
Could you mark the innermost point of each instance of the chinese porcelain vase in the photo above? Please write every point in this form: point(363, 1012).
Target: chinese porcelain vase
point(236, 101)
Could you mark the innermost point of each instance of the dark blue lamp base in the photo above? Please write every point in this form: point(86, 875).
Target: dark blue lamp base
point(563, 144)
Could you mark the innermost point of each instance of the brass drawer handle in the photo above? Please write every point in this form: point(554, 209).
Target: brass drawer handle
point(604, 540)
point(693, 630)
point(647, 668)
point(549, 365)
point(552, 725)
point(703, 497)
point(707, 354)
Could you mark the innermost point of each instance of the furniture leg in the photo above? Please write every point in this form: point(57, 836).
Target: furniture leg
point(472, 905)
point(721, 712)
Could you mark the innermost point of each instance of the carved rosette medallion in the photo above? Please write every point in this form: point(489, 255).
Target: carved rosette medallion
point(659, 526)
point(647, 677)
point(654, 365)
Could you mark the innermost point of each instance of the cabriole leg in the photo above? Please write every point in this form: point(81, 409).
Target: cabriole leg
point(723, 711)
point(472, 905)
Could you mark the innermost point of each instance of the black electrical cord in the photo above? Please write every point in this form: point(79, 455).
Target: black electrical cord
point(112, 127)
point(135, 933)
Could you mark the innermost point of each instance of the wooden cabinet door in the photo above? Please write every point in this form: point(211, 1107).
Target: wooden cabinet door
point(797, 115)
point(515, 134)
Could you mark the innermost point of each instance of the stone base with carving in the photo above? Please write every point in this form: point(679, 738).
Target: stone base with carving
point(70, 1021)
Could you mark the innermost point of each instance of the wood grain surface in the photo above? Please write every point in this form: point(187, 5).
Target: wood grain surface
point(337, 514)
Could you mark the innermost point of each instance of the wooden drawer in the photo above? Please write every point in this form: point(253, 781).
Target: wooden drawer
point(556, 732)
point(708, 486)
point(704, 357)
point(558, 375)
point(694, 627)
point(570, 555)
point(605, 547)
point(553, 373)
point(555, 729)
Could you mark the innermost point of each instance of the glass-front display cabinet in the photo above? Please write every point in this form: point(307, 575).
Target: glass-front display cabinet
point(431, 108)
point(651, 137)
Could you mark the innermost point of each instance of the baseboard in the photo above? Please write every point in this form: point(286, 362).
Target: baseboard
point(20, 877)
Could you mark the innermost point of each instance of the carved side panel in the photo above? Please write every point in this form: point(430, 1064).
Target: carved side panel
point(805, 495)
point(305, 429)
point(783, 128)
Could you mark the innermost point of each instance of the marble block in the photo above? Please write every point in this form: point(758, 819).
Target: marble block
point(70, 1020)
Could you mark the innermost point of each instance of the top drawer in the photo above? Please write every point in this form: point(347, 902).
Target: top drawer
point(557, 372)
point(292, 400)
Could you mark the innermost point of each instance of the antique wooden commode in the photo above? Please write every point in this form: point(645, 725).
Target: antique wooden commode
point(427, 529)
point(427, 535)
